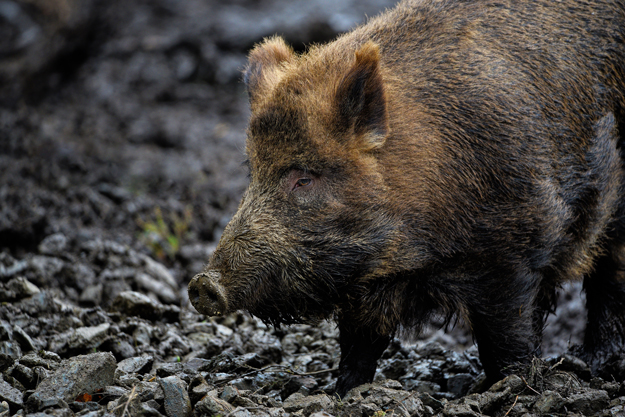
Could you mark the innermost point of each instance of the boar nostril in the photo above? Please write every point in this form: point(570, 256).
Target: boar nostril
point(207, 295)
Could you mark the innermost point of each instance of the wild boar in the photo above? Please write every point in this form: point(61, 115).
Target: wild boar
point(462, 158)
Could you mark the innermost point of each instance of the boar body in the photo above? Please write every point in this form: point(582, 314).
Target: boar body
point(461, 158)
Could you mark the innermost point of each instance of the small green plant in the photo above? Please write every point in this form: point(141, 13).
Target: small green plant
point(163, 236)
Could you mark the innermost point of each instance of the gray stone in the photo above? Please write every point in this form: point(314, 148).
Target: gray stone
point(6, 330)
point(240, 412)
point(46, 266)
point(15, 268)
point(177, 402)
point(11, 395)
point(165, 369)
point(137, 364)
point(159, 271)
point(229, 393)
point(78, 375)
point(164, 292)
point(459, 410)
point(10, 349)
point(26, 342)
point(92, 295)
point(133, 303)
point(213, 406)
point(587, 402)
point(55, 244)
point(309, 404)
point(22, 287)
point(89, 337)
point(514, 382)
point(459, 384)
point(195, 365)
point(24, 375)
point(549, 402)
point(113, 392)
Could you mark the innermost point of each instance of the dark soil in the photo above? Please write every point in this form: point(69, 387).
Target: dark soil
point(122, 125)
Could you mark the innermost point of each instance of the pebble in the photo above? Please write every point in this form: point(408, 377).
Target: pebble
point(132, 303)
point(177, 402)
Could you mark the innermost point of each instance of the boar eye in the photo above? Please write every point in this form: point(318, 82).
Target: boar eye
point(302, 182)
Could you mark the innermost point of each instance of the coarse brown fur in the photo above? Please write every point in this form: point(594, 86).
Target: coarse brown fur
point(461, 158)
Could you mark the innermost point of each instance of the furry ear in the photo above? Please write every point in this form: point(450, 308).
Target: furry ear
point(263, 68)
point(360, 98)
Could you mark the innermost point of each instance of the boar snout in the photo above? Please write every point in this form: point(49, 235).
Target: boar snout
point(207, 295)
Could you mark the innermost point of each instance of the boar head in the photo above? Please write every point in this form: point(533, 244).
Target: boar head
point(312, 226)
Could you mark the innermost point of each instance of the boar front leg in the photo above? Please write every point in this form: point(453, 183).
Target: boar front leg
point(503, 324)
point(360, 350)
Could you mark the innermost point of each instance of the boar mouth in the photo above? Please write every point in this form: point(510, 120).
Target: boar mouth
point(207, 295)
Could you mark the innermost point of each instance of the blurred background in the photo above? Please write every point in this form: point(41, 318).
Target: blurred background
point(124, 121)
point(127, 118)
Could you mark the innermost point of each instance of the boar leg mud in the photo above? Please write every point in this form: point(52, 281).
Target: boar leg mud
point(360, 350)
point(605, 328)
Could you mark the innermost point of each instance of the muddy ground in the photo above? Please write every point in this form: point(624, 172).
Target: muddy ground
point(122, 125)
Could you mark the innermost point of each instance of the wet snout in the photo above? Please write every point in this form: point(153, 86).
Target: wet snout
point(207, 295)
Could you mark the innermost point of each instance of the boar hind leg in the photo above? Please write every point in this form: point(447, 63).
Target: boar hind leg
point(360, 350)
point(605, 301)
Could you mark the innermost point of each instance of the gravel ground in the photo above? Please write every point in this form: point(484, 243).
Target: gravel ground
point(122, 125)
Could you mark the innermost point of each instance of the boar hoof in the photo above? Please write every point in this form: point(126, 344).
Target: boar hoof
point(207, 295)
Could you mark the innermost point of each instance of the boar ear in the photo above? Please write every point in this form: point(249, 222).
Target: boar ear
point(360, 98)
point(263, 67)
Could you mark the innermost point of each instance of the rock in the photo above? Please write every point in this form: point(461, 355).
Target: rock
point(138, 364)
point(308, 404)
point(514, 382)
point(588, 402)
point(22, 287)
point(240, 412)
point(195, 365)
point(548, 402)
point(12, 267)
point(4, 409)
point(88, 337)
point(11, 395)
point(55, 245)
point(112, 392)
point(92, 295)
point(165, 369)
point(24, 375)
point(43, 359)
point(10, 351)
point(134, 303)
point(160, 272)
point(164, 292)
point(198, 388)
point(229, 393)
point(460, 384)
point(213, 406)
point(45, 267)
point(17, 288)
point(177, 401)
point(460, 410)
point(78, 375)
point(25, 341)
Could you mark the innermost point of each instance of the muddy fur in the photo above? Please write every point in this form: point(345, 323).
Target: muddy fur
point(461, 158)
